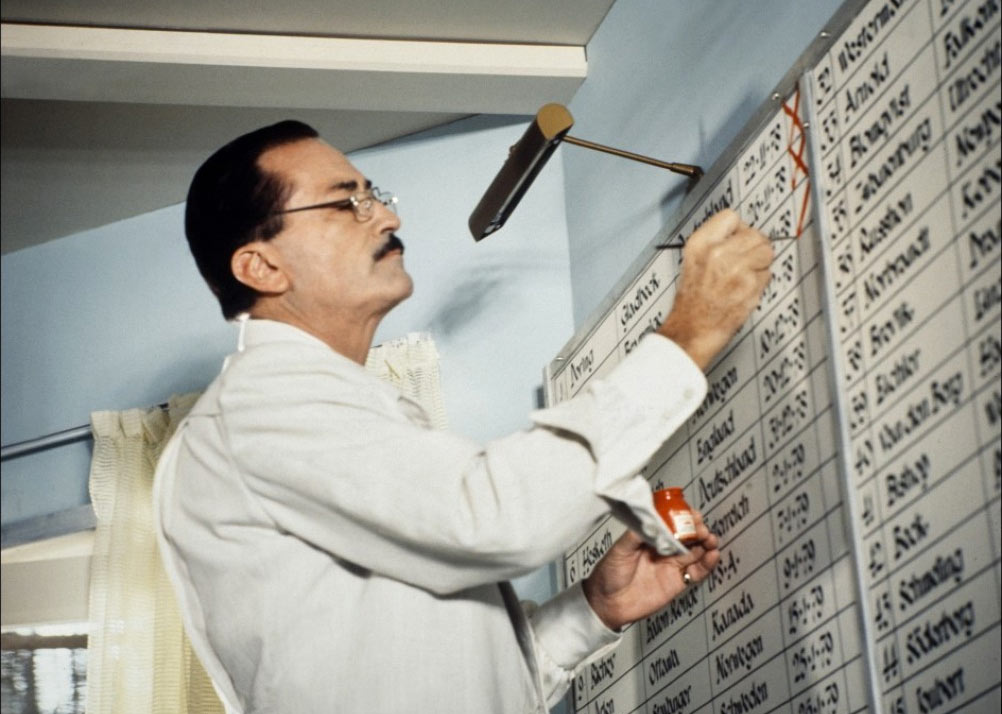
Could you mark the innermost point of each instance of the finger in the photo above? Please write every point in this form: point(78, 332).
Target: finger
point(629, 542)
point(693, 575)
point(748, 250)
point(761, 254)
point(717, 227)
point(707, 539)
point(711, 559)
point(748, 240)
point(702, 530)
point(708, 558)
point(701, 571)
point(695, 554)
point(699, 551)
point(710, 542)
point(630, 537)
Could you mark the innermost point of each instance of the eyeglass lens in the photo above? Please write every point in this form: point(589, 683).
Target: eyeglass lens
point(364, 203)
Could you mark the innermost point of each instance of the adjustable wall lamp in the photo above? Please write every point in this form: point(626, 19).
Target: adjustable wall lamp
point(527, 157)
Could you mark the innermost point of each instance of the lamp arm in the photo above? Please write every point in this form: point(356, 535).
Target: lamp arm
point(690, 170)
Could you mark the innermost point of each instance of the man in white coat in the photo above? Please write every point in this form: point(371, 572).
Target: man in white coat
point(333, 553)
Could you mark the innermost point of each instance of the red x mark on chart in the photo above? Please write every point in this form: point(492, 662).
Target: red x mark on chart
point(797, 154)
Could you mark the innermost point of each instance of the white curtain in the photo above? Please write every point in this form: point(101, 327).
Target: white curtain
point(139, 659)
point(411, 363)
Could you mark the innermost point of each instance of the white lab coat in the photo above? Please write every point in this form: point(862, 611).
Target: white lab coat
point(332, 553)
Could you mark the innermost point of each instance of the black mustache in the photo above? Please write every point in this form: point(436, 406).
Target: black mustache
point(393, 243)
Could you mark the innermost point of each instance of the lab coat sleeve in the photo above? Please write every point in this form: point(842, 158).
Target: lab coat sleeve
point(568, 636)
point(342, 468)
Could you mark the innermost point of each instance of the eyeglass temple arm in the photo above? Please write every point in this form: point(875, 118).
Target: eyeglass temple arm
point(692, 171)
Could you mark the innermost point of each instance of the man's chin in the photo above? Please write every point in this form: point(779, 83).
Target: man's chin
point(406, 289)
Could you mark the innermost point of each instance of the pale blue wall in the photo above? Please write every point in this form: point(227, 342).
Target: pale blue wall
point(676, 80)
point(112, 318)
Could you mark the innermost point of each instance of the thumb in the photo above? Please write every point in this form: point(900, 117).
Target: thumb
point(629, 542)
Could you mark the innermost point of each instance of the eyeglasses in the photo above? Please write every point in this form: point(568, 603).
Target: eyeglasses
point(362, 204)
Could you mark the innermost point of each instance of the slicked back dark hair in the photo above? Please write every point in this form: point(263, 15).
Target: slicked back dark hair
point(231, 202)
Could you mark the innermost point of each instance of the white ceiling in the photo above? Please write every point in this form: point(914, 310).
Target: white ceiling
point(109, 106)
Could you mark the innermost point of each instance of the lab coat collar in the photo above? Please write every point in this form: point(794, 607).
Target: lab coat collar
point(255, 332)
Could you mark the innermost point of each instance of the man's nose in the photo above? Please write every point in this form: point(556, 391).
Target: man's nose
point(387, 218)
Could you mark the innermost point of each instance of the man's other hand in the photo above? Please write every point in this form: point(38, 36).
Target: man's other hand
point(633, 581)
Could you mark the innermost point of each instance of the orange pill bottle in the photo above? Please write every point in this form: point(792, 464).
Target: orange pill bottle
point(676, 513)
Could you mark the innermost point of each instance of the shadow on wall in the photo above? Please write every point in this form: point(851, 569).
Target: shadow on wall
point(672, 199)
point(468, 298)
point(671, 203)
point(480, 290)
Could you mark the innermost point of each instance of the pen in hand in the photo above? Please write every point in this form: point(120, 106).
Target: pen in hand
point(679, 246)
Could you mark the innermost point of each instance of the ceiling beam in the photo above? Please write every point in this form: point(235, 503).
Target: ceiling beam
point(251, 70)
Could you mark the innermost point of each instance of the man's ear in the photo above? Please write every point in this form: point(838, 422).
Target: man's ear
point(258, 265)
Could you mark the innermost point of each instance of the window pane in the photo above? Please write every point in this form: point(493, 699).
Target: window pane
point(43, 671)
